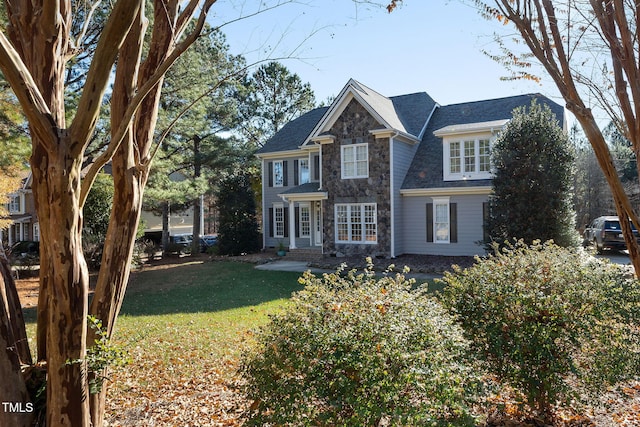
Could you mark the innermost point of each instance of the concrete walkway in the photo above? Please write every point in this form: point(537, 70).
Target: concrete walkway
point(301, 266)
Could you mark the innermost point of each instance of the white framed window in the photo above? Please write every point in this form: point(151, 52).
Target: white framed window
point(278, 174)
point(14, 204)
point(305, 175)
point(468, 158)
point(305, 220)
point(36, 231)
point(355, 161)
point(441, 220)
point(356, 223)
point(278, 220)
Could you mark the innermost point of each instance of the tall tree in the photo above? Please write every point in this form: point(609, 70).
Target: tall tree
point(196, 108)
point(35, 50)
point(533, 163)
point(590, 51)
point(274, 97)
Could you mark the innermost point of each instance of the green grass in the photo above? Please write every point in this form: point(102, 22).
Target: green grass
point(185, 327)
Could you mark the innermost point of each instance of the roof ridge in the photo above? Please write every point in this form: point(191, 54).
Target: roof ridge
point(497, 99)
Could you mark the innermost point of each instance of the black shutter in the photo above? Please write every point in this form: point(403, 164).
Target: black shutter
point(453, 222)
point(430, 222)
point(285, 175)
point(270, 222)
point(270, 174)
point(485, 220)
point(316, 168)
point(286, 222)
point(297, 209)
point(295, 172)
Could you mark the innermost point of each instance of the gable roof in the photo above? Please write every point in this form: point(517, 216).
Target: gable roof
point(426, 170)
point(405, 113)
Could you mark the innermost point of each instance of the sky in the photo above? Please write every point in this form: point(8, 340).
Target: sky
point(432, 46)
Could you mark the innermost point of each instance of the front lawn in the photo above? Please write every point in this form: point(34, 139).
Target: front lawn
point(185, 327)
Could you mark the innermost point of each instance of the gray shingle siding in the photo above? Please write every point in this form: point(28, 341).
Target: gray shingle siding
point(469, 224)
point(402, 156)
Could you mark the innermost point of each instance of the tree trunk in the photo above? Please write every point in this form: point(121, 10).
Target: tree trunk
point(17, 408)
point(65, 285)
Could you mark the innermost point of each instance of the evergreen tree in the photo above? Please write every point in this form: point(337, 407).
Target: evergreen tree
point(532, 186)
point(238, 232)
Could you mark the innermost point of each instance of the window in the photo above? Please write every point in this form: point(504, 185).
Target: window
point(442, 221)
point(36, 231)
point(355, 161)
point(278, 174)
point(467, 159)
point(278, 220)
point(484, 155)
point(14, 204)
point(305, 221)
point(305, 176)
point(454, 156)
point(356, 223)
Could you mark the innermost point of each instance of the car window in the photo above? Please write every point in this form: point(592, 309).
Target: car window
point(612, 225)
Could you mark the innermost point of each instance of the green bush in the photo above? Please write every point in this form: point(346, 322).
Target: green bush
point(553, 323)
point(353, 350)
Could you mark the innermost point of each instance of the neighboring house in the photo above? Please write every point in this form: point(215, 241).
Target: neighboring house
point(377, 176)
point(22, 213)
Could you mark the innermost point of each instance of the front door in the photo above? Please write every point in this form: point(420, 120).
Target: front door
point(317, 224)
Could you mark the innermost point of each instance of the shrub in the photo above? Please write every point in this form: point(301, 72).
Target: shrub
point(553, 323)
point(354, 350)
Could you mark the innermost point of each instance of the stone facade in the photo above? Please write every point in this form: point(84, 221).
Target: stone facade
point(354, 126)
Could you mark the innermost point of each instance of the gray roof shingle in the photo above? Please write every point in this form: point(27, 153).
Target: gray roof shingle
point(294, 133)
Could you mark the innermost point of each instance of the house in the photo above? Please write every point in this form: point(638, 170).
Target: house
point(384, 176)
point(22, 213)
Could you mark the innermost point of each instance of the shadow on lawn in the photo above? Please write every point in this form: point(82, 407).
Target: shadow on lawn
point(197, 287)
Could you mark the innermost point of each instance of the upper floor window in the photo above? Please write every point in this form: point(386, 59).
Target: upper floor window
point(355, 161)
point(278, 174)
point(305, 176)
point(14, 204)
point(469, 158)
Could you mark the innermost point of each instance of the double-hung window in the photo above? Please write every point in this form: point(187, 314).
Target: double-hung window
point(305, 220)
point(468, 158)
point(355, 161)
point(441, 220)
point(278, 174)
point(278, 220)
point(305, 176)
point(356, 223)
point(14, 204)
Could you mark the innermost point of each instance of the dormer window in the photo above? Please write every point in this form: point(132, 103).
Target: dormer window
point(467, 150)
point(467, 159)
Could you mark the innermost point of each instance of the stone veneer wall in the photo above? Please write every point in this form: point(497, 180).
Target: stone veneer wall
point(356, 122)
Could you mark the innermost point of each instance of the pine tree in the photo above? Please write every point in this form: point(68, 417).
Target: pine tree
point(532, 185)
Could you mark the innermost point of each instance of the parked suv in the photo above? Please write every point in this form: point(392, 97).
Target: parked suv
point(605, 233)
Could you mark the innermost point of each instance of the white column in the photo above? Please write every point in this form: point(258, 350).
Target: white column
point(292, 225)
point(21, 231)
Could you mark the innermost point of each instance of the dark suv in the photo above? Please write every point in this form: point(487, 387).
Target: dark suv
point(605, 233)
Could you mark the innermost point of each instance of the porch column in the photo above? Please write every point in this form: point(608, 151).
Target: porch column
point(292, 225)
point(22, 231)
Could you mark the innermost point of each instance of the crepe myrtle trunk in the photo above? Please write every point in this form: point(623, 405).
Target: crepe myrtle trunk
point(63, 296)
